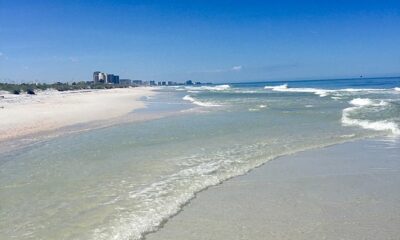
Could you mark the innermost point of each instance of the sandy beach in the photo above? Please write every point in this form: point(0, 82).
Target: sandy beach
point(22, 115)
point(347, 191)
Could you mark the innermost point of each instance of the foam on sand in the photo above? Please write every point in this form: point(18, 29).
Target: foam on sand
point(199, 103)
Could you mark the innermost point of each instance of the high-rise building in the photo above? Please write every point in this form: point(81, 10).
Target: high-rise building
point(125, 81)
point(116, 79)
point(137, 82)
point(102, 77)
point(189, 82)
point(109, 78)
point(96, 77)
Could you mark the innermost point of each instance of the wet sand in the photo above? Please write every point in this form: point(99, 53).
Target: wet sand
point(346, 191)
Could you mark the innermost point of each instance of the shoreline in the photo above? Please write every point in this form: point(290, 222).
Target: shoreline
point(52, 113)
point(48, 111)
point(200, 218)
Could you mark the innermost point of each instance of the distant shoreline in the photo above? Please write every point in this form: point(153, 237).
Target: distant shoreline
point(25, 115)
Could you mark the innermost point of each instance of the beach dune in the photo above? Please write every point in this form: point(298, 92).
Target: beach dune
point(22, 115)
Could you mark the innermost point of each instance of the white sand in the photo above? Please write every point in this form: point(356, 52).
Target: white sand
point(21, 115)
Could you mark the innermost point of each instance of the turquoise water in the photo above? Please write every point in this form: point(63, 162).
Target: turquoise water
point(124, 181)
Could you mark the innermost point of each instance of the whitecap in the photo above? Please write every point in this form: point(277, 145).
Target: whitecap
point(285, 88)
point(373, 125)
point(359, 103)
point(367, 102)
point(199, 103)
point(323, 92)
point(210, 88)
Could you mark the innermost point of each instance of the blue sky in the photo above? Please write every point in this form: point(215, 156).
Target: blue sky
point(219, 41)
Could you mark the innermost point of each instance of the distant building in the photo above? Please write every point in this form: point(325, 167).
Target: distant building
point(137, 82)
point(96, 77)
point(116, 79)
point(102, 77)
point(152, 83)
point(109, 78)
point(125, 82)
point(198, 83)
point(189, 82)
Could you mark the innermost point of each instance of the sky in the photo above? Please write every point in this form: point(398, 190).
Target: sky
point(208, 41)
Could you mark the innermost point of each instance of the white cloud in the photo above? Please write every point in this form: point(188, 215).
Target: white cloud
point(237, 68)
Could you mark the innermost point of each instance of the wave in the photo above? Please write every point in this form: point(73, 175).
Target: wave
point(218, 87)
point(199, 103)
point(373, 125)
point(222, 87)
point(397, 89)
point(367, 102)
point(360, 103)
point(322, 92)
point(285, 88)
point(164, 198)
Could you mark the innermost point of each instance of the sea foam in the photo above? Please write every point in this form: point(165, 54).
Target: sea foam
point(199, 103)
point(323, 92)
point(367, 102)
point(210, 88)
point(359, 104)
point(285, 88)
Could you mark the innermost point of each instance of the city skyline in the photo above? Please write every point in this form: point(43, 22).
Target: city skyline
point(222, 41)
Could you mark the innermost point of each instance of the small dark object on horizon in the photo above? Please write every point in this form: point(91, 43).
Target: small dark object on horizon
point(16, 91)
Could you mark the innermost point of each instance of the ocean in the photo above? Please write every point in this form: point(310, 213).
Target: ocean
point(125, 181)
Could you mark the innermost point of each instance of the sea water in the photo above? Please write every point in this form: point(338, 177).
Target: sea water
point(125, 181)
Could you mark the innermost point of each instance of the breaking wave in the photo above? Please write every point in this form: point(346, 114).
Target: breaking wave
point(358, 105)
point(285, 88)
point(322, 92)
point(367, 102)
point(211, 88)
point(199, 103)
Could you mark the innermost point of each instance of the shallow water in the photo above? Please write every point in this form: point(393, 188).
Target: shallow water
point(124, 181)
point(346, 191)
